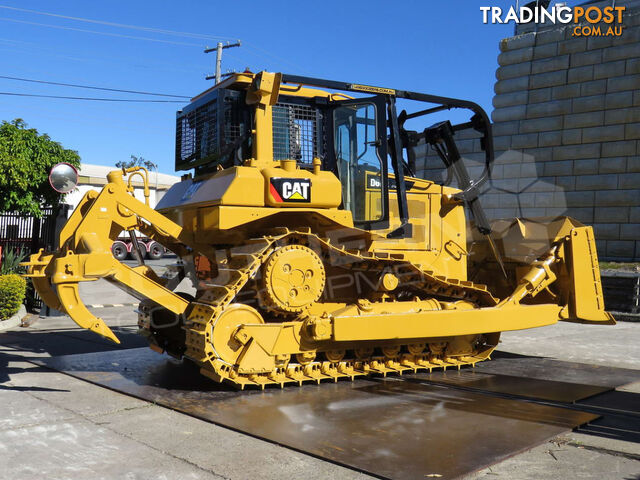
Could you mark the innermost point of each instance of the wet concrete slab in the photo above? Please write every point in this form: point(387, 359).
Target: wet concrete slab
point(393, 427)
point(510, 385)
point(535, 378)
point(549, 369)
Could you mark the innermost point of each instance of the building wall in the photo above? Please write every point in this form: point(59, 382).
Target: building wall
point(73, 198)
point(567, 132)
point(94, 177)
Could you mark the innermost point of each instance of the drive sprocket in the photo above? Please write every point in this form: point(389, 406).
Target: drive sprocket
point(293, 277)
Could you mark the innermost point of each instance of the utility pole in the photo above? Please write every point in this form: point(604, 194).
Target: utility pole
point(218, 49)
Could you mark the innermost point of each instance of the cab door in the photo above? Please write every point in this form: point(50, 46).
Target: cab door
point(358, 136)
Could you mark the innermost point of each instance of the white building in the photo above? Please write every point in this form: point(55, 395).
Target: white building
point(94, 177)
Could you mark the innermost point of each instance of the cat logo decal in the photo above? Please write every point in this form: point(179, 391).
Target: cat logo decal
point(290, 189)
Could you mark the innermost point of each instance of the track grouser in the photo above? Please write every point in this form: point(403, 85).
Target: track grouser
point(308, 249)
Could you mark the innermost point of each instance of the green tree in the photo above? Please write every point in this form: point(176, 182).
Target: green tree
point(137, 162)
point(26, 158)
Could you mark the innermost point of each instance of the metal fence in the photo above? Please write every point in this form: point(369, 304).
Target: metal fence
point(621, 292)
point(27, 234)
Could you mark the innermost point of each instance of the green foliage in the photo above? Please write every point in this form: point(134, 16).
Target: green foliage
point(12, 291)
point(631, 267)
point(11, 261)
point(25, 160)
point(137, 162)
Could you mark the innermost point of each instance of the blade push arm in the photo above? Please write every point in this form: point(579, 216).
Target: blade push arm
point(440, 137)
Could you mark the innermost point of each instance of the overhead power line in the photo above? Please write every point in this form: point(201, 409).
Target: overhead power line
point(119, 25)
point(91, 87)
point(157, 40)
point(260, 51)
point(31, 48)
point(124, 100)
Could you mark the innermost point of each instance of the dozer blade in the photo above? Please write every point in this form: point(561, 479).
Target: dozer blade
point(587, 299)
point(575, 262)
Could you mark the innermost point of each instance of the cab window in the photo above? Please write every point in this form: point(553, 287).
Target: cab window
point(359, 165)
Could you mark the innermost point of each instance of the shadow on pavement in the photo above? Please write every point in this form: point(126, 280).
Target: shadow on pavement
point(66, 341)
point(6, 370)
point(26, 344)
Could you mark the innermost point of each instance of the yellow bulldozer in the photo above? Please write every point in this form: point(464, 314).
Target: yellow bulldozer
point(313, 250)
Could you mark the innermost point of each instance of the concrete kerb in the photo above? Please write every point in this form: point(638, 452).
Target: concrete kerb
point(625, 316)
point(15, 320)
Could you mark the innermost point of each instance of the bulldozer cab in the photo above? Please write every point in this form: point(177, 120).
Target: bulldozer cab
point(264, 118)
point(359, 142)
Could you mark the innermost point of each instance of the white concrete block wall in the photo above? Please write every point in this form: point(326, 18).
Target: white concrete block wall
point(567, 132)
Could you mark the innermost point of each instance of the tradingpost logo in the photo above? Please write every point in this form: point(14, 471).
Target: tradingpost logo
point(585, 21)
